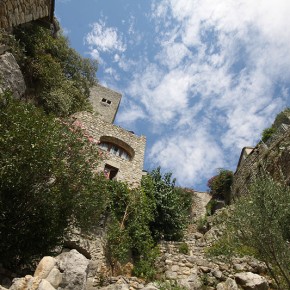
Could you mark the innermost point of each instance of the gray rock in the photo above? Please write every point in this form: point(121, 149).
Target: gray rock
point(170, 275)
point(11, 77)
point(229, 284)
point(150, 286)
point(251, 281)
point(74, 266)
point(218, 274)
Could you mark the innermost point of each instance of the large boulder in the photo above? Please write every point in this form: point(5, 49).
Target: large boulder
point(229, 284)
point(11, 77)
point(74, 268)
point(44, 267)
point(31, 283)
point(251, 281)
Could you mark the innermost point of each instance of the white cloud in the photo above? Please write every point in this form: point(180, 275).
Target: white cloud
point(186, 155)
point(219, 78)
point(131, 114)
point(104, 39)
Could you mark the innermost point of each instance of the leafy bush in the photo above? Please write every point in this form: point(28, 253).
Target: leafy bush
point(268, 133)
point(220, 185)
point(139, 218)
point(46, 182)
point(171, 212)
point(260, 225)
point(282, 118)
point(58, 78)
point(183, 248)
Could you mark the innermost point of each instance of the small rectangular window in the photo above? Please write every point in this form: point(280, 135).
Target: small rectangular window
point(104, 100)
point(109, 102)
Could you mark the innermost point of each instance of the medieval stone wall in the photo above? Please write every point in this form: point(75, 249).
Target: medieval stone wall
point(15, 12)
point(129, 170)
point(272, 158)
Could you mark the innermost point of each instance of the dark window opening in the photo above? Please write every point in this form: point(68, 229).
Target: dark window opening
point(110, 172)
point(106, 101)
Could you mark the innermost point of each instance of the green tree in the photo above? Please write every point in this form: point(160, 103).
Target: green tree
point(58, 78)
point(259, 224)
point(262, 220)
point(47, 182)
point(220, 185)
point(172, 207)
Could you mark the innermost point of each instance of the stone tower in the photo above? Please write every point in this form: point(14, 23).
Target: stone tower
point(123, 151)
point(105, 102)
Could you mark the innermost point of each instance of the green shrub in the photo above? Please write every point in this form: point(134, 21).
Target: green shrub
point(268, 133)
point(58, 78)
point(46, 183)
point(260, 225)
point(183, 248)
point(220, 185)
point(172, 207)
point(172, 285)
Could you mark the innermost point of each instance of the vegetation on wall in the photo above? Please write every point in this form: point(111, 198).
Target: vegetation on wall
point(58, 78)
point(282, 118)
point(142, 217)
point(259, 224)
point(220, 185)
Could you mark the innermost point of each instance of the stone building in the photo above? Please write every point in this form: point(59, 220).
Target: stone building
point(16, 12)
point(123, 150)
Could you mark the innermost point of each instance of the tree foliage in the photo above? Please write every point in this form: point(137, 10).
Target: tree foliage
point(46, 182)
point(260, 224)
point(141, 217)
point(282, 118)
point(58, 78)
point(220, 185)
point(172, 207)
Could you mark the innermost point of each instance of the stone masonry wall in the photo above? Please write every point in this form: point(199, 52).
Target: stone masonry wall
point(129, 170)
point(272, 157)
point(107, 111)
point(15, 12)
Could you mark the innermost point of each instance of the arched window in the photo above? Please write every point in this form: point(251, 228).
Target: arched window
point(117, 147)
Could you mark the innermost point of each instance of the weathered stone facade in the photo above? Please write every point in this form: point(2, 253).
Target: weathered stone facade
point(272, 157)
point(128, 170)
point(105, 102)
point(15, 12)
point(123, 151)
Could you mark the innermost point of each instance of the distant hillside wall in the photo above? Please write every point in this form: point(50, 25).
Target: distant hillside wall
point(15, 12)
point(272, 157)
point(128, 170)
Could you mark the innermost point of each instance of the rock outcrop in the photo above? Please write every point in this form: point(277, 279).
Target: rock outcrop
point(11, 78)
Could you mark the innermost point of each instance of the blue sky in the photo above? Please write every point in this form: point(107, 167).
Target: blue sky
point(200, 78)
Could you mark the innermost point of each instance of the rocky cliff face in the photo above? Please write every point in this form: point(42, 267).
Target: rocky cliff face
point(11, 78)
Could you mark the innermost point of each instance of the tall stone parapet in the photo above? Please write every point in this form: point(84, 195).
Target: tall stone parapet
point(16, 12)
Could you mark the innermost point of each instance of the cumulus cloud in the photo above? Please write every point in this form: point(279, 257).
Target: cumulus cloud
point(219, 78)
point(187, 156)
point(104, 39)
